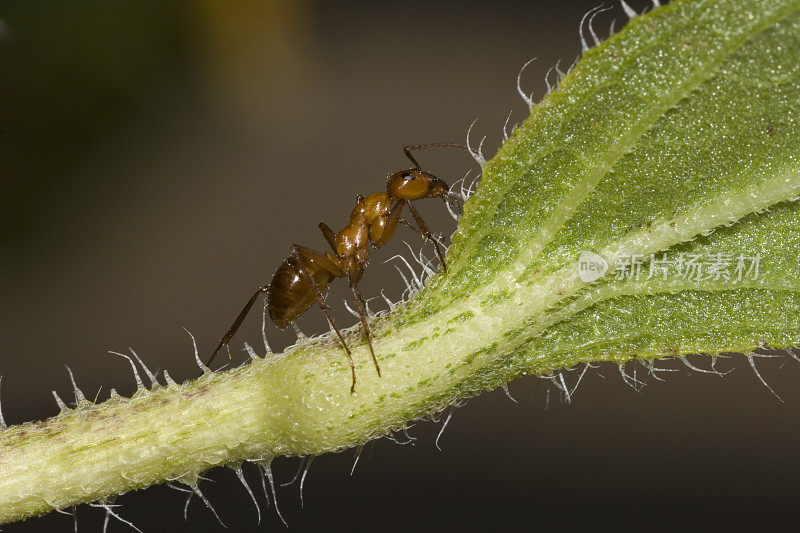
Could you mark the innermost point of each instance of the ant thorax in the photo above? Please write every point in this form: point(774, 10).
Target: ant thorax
point(372, 207)
point(352, 237)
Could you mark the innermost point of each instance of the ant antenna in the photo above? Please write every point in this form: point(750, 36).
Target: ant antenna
point(407, 150)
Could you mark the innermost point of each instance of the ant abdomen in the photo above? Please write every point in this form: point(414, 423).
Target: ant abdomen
point(291, 293)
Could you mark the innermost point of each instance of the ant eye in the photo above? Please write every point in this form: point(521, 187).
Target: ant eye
point(408, 176)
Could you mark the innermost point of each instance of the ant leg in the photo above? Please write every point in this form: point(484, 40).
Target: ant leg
point(426, 233)
point(380, 236)
point(330, 236)
point(299, 252)
point(410, 225)
point(238, 322)
point(361, 305)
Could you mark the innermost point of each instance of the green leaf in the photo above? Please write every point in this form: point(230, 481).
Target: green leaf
point(683, 122)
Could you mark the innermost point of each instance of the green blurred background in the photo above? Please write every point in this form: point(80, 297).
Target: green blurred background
point(157, 160)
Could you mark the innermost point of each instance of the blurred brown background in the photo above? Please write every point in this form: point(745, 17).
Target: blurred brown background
point(157, 160)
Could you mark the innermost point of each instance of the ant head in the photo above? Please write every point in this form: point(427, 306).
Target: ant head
point(414, 184)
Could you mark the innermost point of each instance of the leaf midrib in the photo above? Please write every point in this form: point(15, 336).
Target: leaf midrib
point(544, 294)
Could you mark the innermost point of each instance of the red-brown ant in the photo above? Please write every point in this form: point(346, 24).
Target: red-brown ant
point(303, 277)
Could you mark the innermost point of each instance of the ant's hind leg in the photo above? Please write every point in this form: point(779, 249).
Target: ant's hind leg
point(238, 321)
point(330, 236)
point(426, 233)
point(301, 254)
point(361, 304)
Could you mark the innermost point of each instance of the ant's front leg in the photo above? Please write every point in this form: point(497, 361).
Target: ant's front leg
point(381, 230)
point(426, 233)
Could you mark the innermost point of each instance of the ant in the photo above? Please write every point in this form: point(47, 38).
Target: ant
point(302, 278)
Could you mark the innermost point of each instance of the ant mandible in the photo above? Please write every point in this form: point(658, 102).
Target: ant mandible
point(303, 277)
